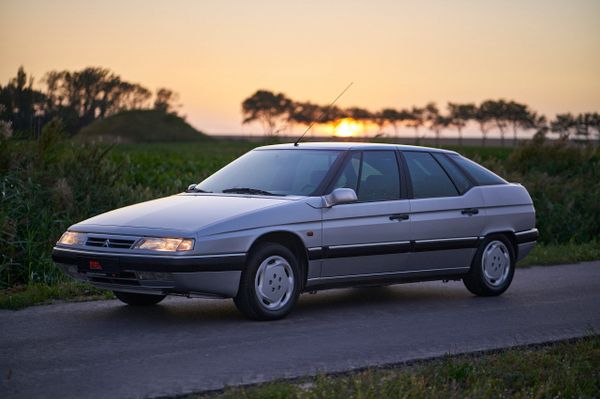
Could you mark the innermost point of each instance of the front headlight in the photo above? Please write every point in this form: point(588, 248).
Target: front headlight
point(72, 238)
point(166, 244)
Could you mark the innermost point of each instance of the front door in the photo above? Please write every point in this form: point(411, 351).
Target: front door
point(372, 236)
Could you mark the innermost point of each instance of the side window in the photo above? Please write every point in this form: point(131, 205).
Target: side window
point(481, 175)
point(458, 177)
point(379, 177)
point(374, 176)
point(349, 176)
point(428, 178)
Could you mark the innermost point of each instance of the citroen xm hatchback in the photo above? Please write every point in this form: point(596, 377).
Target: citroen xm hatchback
point(285, 219)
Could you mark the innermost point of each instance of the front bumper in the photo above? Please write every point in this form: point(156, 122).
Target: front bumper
point(213, 275)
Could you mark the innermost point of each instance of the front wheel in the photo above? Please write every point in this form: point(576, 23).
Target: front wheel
point(134, 299)
point(270, 285)
point(493, 267)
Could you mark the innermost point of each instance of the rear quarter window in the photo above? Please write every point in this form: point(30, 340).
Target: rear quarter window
point(428, 178)
point(481, 175)
point(458, 177)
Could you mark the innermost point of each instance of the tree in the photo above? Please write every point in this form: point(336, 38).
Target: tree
point(564, 124)
point(459, 115)
point(80, 97)
point(497, 112)
point(483, 117)
point(519, 116)
point(416, 119)
point(437, 124)
point(540, 124)
point(394, 117)
point(270, 109)
point(165, 100)
point(586, 124)
point(20, 103)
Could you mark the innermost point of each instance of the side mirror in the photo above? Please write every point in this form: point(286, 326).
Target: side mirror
point(191, 188)
point(340, 196)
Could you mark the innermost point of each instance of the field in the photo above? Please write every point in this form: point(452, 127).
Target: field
point(53, 183)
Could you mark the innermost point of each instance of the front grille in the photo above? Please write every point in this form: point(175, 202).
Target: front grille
point(109, 242)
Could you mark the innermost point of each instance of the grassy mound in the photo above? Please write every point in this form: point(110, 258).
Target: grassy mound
point(140, 126)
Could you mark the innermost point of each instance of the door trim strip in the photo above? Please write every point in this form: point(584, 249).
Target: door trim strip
point(391, 247)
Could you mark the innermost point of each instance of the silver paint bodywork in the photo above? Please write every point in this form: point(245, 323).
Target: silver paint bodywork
point(226, 225)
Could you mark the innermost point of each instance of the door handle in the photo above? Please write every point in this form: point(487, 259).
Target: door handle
point(399, 217)
point(470, 211)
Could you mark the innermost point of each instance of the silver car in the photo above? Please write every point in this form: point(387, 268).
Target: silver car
point(286, 219)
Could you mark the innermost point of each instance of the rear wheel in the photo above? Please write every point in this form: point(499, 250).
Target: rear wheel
point(134, 299)
point(493, 267)
point(270, 284)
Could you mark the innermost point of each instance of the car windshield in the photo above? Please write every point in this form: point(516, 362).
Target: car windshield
point(272, 172)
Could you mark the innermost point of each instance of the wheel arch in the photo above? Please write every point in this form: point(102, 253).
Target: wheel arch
point(290, 240)
point(510, 235)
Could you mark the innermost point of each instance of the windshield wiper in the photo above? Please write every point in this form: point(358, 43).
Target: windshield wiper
point(195, 189)
point(247, 190)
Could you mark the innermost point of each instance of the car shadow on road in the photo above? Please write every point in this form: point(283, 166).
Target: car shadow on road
point(182, 311)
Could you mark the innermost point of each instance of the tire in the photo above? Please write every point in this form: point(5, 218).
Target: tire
point(270, 283)
point(493, 267)
point(138, 299)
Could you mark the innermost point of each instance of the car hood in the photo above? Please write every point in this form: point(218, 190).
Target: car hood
point(184, 213)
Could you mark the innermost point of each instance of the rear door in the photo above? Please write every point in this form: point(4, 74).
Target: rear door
point(446, 213)
point(371, 236)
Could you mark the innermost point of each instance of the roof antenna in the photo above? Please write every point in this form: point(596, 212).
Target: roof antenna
point(323, 113)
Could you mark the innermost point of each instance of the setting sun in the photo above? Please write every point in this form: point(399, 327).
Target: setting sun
point(347, 127)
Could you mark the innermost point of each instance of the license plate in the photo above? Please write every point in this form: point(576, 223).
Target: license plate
point(99, 265)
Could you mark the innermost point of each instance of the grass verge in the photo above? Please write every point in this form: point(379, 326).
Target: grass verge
point(562, 370)
point(558, 254)
point(36, 294)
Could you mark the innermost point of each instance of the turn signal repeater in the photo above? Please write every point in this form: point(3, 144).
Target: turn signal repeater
point(166, 244)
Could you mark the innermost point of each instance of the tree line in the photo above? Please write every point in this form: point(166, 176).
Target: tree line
point(77, 98)
point(277, 113)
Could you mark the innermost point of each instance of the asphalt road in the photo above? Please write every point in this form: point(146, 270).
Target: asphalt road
point(105, 349)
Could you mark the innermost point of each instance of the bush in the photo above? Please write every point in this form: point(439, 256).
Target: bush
point(47, 185)
point(564, 182)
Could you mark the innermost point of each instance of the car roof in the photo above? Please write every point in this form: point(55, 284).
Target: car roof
point(345, 145)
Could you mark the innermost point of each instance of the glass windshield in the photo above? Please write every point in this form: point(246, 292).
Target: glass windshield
point(272, 172)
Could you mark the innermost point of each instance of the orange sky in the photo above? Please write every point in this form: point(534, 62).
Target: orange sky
point(397, 53)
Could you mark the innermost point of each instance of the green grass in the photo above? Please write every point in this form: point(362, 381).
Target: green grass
point(557, 254)
point(562, 370)
point(20, 297)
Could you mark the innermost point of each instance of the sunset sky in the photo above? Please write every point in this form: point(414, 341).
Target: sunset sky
point(397, 53)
